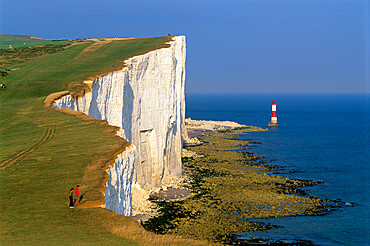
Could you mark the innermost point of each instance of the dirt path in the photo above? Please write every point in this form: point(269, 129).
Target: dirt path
point(98, 43)
point(47, 136)
point(93, 47)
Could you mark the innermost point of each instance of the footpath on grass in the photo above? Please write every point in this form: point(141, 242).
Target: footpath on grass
point(48, 135)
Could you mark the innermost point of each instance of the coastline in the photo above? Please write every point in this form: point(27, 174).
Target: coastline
point(231, 187)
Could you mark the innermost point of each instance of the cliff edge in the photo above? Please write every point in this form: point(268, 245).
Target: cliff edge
point(146, 99)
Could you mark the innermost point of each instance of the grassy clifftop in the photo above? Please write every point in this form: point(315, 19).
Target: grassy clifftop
point(44, 152)
point(66, 69)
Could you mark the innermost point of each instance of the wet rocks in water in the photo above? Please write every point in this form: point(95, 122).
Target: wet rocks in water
point(231, 185)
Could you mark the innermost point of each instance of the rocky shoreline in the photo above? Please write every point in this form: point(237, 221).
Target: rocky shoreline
point(230, 186)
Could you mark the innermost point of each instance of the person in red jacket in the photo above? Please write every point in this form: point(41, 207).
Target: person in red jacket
point(77, 194)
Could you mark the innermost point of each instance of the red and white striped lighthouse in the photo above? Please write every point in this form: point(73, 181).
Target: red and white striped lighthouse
point(273, 115)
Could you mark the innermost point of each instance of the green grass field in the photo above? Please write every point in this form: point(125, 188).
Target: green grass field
point(45, 152)
point(17, 41)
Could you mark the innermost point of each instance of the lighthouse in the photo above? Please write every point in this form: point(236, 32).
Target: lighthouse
point(273, 115)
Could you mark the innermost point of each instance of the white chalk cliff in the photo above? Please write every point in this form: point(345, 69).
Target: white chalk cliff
point(146, 100)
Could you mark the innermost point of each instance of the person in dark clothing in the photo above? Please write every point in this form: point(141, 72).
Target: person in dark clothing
point(71, 205)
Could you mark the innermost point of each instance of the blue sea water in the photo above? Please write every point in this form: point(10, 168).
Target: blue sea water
point(322, 137)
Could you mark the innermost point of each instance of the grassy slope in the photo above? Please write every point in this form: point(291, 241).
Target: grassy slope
point(34, 190)
point(18, 41)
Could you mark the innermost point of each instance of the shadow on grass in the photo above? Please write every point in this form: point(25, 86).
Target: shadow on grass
point(79, 201)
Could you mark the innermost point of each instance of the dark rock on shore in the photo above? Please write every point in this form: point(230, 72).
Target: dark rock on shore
point(170, 194)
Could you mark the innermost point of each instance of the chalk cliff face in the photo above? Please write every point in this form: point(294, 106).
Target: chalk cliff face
point(146, 99)
point(118, 190)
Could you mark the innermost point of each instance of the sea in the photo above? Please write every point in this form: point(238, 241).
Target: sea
point(319, 137)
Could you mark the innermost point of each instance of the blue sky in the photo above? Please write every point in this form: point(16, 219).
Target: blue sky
point(247, 46)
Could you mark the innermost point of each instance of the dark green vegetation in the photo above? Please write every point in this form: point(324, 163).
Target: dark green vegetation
point(19, 55)
point(17, 41)
point(231, 187)
point(44, 153)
